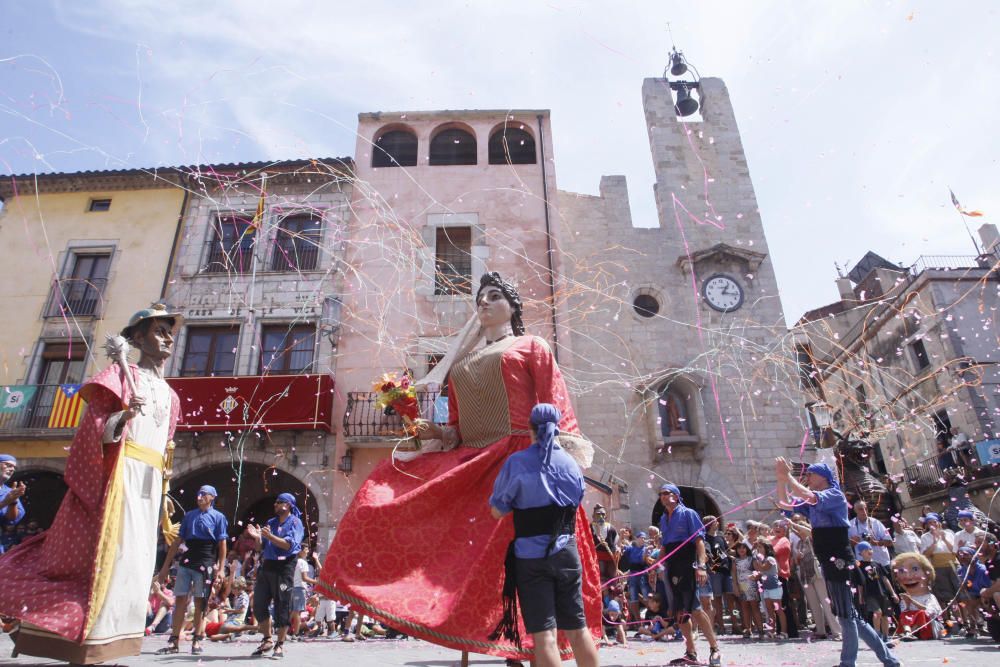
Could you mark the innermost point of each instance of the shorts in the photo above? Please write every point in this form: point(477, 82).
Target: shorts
point(875, 604)
point(705, 590)
point(722, 583)
point(771, 593)
point(683, 590)
point(298, 598)
point(212, 629)
point(550, 591)
point(274, 584)
point(192, 582)
point(326, 612)
point(638, 586)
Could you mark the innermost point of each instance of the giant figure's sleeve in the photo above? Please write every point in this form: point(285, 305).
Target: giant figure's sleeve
point(550, 386)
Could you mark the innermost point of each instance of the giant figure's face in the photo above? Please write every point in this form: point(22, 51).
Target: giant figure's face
point(493, 307)
point(911, 576)
point(156, 339)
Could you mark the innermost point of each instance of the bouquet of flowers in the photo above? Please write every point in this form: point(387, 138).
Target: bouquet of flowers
point(396, 394)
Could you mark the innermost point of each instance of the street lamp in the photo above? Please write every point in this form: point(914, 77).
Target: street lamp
point(823, 414)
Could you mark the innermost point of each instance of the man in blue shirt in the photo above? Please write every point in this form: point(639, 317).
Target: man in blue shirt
point(832, 545)
point(683, 538)
point(11, 509)
point(204, 530)
point(543, 487)
point(281, 538)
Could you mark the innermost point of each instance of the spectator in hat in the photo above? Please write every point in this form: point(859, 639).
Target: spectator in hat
point(687, 568)
point(204, 530)
point(11, 509)
point(828, 516)
point(281, 539)
point(967, 536)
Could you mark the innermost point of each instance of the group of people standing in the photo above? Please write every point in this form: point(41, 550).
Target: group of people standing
point(511, 446)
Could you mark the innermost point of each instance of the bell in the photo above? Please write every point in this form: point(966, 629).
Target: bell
point(686, 105)
point(677, 64)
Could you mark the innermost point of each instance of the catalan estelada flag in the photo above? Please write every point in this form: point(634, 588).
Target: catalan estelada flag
point(67, 407)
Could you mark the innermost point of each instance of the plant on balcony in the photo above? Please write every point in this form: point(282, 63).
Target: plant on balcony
point(397, 394)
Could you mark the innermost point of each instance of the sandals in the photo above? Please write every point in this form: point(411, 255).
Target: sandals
point(279, 650)
point(265, 645)
point(171, 647)
point(196, 648)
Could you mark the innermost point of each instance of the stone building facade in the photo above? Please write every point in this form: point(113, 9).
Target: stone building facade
point(681, 360)
point(257, 274)
point(904, 356)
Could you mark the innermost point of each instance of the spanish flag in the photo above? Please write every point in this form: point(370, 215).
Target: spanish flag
point(67, 407)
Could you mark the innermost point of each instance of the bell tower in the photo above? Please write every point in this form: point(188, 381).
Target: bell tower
point(712, 394)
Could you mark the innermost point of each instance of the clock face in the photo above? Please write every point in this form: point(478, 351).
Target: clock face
point(722, 293)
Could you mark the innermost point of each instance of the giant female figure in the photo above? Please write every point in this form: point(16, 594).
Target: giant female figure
point(418, 548)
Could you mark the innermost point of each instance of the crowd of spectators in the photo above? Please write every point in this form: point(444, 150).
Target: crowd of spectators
point(229, 611)
point(928, 580)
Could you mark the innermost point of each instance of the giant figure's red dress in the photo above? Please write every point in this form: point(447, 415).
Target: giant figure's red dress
point(418, 548)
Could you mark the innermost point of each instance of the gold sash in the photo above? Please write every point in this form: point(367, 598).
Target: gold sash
point(943, 559)
point(111, 524)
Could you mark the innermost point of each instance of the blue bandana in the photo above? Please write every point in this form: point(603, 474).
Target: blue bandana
point(824, 471)
point(208, 490)
point(545, 418)
point(290, 499)
point(861, 546)
point(7, 458)
point(930, 516)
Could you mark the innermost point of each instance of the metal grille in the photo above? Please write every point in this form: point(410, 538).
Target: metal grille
point(296, 247)
point(363, 419)
point(453, 261)
point(232, 246)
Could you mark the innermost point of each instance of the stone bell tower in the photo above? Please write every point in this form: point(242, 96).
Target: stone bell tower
point(683, 361)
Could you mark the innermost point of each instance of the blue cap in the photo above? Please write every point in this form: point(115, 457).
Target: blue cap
point(930, 516)
point(967, 550)
point(290, 499)
point(861, 546)
point(208, 490)
point(614, 606)
point(7, 458)
point(642, 536)
point(966, 514)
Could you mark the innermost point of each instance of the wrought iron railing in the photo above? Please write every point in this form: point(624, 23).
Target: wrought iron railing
point(935, 474)
point(30, 407)
point(294, 256)
point(75, 296)
point(238, 259)
point(363, 419)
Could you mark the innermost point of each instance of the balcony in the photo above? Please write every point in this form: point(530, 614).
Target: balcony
point(38, 409)
point(76, 297)
point(362, 419)
point(927, 477)
point(272, 402)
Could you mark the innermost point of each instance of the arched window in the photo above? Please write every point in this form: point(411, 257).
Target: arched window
point(511, 145)
point(675, 417)
point(453, 146)
point(396, 148)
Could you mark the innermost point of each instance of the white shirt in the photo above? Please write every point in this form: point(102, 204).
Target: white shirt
point(944, 545)
point(875, 531)
point(964, 538)
point(301, 567)
point(906, 541)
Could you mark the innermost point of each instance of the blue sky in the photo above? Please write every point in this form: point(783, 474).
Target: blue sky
point(856, 117)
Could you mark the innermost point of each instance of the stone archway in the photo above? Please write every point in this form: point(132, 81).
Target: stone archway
point(248, 498)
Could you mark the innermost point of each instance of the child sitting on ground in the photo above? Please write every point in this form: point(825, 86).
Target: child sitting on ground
point(654, 625)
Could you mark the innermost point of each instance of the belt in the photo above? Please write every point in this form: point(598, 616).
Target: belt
point(150, 457)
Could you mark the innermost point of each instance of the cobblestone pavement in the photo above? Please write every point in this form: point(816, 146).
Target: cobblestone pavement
point(960, 652)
